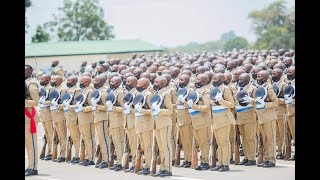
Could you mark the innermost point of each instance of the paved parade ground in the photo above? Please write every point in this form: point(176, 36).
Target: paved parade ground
point(48, 170)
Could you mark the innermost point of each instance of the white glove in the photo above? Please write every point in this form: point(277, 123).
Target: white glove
point(190, 103)
point(288, 99)
point(127, 108)
point(156, 108)
point(247, 99)
point(181, 99)
point(218, 97)
point(54, 102)
point(138, 107)
point(93, 102)
point(109, 105)
point(78, 108)
point(42, 100)
point(261, 101)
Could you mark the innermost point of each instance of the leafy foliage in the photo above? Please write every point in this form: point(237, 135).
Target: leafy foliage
point(41, 35)
point(80, 20)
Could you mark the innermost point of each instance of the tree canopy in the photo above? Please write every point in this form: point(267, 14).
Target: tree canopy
point(236, 42)
point(274, 26)
point(80, 20)
point(41, 35)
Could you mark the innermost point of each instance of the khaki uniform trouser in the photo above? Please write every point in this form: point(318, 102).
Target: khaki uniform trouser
point(203, 137)
point(291, 124)
point(222, 137)
point(32, 147)
point(118, 141)
point(163, 137)
point(231, 139)
point(61, 130)
point(280, 133)
point(132, 137)
point(48, 131)
point(268, 131)
point(186, 140)
point(102, 131)
point(249, 140)
point(75, 136)
point(87, 133)
point(145, 140)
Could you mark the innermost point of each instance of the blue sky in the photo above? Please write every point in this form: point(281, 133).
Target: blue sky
point(164, 22)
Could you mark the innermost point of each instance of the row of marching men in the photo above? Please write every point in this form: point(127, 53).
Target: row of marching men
point(156, 120)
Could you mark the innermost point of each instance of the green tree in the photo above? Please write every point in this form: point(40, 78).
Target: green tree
point(274, 26)
point(41, 35)
point(236, 42)
point(27, 4)
point(80, 20)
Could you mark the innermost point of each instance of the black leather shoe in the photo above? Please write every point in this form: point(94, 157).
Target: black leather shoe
point(72, 160)
point(280, 156)
point(216, 168)
point(250, 163)
point(75, 160)
point(231, 161)
point(130, 169)
point(26, 170)
point(118, 168)
point(61, 159)
point(113, 167)
point(146, 171)
point(165, 173)
point(141, 171)
point(158, 173)
point(199, 166)
point(88, 163)
point(47, 158)
point(187, 165)
point(97, 165)
point(183, 163)
point(262, 164)
point(269, 164)
point(224, 168)
point(292, 158)
point(205, 166)
point(243, 161)
point(31, 172)
point(103, 165)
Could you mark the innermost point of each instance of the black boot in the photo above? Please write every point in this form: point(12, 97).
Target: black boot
point(292, 158)
point(47, 158)
point(216, 168)
point(130, 169)
point(262, 164)
point(269, 164)
point(113, 167)
point(250, 163)
point(88, 163)
point(31, 172)
point(146, 171)
point(187, 165)
point(103, 165)
point(183, 163)
point(158, 173)
point(141, 171)
point(118, 168)
point(280, 156)
point(244, 161)
point(61, 159)
point(224, 168)
point(165, 173)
